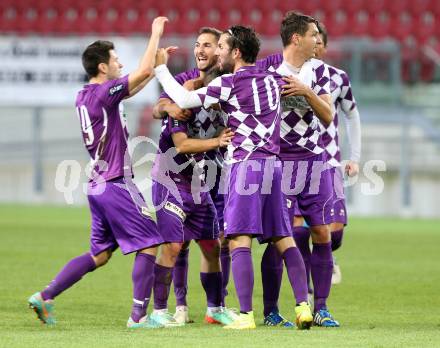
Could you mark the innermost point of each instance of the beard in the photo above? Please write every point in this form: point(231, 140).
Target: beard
point(227, 67)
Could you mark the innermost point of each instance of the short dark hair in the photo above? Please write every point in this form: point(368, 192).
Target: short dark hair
point(323, 31)
point(210, 30)
point(294, 23)
point(96, 53)
point(246, 40)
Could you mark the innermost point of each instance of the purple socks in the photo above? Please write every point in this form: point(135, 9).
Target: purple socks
point(322, 267)
point(180, 277)
point(243, 273)
point(72, 272)
point(162, 283)
point(143, 276)
point(337, 239)
point(212, 283)
point(225, 261)
point(297, 273)
point(302, 237)
point(271, 276)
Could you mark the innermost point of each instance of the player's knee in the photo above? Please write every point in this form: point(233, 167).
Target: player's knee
point(102, 258)
point(320, 234)
point(210, 249)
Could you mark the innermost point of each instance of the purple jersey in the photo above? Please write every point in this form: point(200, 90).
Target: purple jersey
point(300, 128)
point(343, 100)
point(251, 98)
point(103, 126)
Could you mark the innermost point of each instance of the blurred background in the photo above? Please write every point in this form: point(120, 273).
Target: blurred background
point(391, 50)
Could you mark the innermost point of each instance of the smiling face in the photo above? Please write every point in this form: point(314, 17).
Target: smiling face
point(225, 55)
point(204, 51)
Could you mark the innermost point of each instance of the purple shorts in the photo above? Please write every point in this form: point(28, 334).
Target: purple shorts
point(180, 219)
point(339, 209)
point(254, 203)
point(120, 218)
point(308, 185)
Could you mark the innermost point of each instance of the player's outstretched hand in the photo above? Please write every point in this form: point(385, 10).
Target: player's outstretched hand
point(158, 25)
point(225, 137)
point(294, 86)
point(192, 85)
point(352, 168)
point(163, 54)
point(177, 113)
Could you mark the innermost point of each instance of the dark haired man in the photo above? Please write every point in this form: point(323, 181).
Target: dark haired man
point(251, 98)
point(119, 215)
point(197, 131)
point(344, 103)
point(307, 107)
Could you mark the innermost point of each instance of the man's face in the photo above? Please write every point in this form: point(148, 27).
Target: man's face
point(204, 51)
point(307, 43)
point(113, 69)
point(321, 50)
point(225, 59)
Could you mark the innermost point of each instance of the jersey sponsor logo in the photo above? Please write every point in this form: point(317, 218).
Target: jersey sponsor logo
point(298, 102)
point(176, 123)
point(115, 89)
point(176, 210)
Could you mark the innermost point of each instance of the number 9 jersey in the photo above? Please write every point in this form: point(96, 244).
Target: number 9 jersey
point(104, 130)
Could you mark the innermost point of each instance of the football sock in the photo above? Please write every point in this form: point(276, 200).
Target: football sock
point(243, 273)
point(296, 273)
point(271, 276)
point(72, 272)
point(225, 260)
point(212, 283)
point(322, 268)
point(143, 277)
point(302, 237)
point(337, 239)
point(180, 277)
point(162, 283)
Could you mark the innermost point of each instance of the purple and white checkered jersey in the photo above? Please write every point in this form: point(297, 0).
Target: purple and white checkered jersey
point(300, 127)
point(104, 128)
point(344, 102)
point(205, 123)
point(251, 99)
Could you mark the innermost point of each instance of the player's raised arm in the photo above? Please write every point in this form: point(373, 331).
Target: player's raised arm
point(145, 71)
point(184, 144)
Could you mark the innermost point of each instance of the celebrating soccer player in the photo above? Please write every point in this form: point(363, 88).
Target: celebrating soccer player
point(304, 160)
point(119, 215)
point(251, 98)
point(344, 103)
point(208, 123)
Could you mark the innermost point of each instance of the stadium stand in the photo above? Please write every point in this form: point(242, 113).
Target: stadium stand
point(412, 23)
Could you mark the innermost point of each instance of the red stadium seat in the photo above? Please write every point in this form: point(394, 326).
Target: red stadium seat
point(354, 6)
point(402, 26)
point(380, 25)
point(359, 24)
point(337, 23)
point(424, 27)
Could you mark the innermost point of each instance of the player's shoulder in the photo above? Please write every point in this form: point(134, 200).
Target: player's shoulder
point(187, 75)
point(318, 64)
point(272, 61)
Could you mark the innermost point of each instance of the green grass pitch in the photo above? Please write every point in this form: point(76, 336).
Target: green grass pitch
point(389, 296)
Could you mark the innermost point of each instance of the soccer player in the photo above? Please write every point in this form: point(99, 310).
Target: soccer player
point(344, 103)
point(251, 98)
point(210, 121)
point(301, 143)
point(117, 219)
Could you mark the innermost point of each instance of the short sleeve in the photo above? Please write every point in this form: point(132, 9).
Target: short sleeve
point(113, 91)
point(346, 97)
point(217, 91)
point(175, 126)
point(321, 84)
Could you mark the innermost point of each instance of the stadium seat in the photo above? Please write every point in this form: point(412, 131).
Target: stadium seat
point(380, 25)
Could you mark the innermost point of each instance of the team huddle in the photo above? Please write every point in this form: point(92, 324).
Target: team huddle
point(248, 149)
